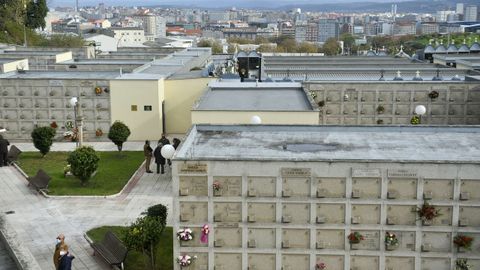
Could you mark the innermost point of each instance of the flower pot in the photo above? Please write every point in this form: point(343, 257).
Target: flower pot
point(390, 247)
point(217, 192)
point(427, 222)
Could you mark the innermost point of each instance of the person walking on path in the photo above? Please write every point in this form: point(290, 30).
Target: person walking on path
point(164, 142)
point(147, 151)
point(60, 249)
point(3, 151)
point(159, 159)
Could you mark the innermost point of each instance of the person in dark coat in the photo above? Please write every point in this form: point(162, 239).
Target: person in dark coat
point(66, 262)
point(3, 151)
point(165, 141)
point(159, 159)
point(147, 152)
point(176, 143)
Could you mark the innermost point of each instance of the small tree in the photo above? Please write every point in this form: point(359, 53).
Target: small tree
point(43, 139)
point(143, 235)
point(83, 162)
point(118, 134)
point(160, 212)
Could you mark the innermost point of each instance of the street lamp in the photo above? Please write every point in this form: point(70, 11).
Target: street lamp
point(255, 120)
point(78, 120)
point(420, 110)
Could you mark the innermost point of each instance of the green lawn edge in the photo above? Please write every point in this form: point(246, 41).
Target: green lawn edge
point(114, 171)
point(135, 260)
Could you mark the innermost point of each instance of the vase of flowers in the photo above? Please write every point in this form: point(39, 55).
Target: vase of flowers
point(427, 213)
point(98, 90)
point(463, 242)
point(415, 120)
point(462, 264)
point(99, 132)
point(320, 266)
point(355, 237)
point(433, 95)
point(217, 188)
point(205, 233)
point(185, 234)
point(54, 125)
point(185, 260)
point(67, 170)
point(391, 241)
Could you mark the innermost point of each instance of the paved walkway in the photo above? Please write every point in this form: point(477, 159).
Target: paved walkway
point(38, 220)
point(70, 146)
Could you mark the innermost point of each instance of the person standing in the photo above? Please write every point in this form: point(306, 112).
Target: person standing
point(164, 142)
point(159, 159)
point(60, 249)
point(176, 143)
point(3, 151)
point(147, 151)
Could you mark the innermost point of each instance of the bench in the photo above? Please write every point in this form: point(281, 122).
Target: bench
point(40, 180)
point(111, 249)
point(13, 154)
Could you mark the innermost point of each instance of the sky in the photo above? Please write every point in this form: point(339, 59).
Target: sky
point(198, 3)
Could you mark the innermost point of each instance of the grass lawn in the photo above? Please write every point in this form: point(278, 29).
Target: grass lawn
point(114, 171)
point(135, 260)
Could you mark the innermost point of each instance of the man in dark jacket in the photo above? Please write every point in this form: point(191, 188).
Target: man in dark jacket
point(159, 159)
point(176, 143)
point(165, 141)
point(3, 151)
point(147, 152)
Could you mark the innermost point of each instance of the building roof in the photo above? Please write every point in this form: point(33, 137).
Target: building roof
point(238, 96)
point(332, 143)
point(63, 75)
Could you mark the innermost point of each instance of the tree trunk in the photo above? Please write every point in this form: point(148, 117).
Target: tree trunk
point(119, 146)
point(152, 256)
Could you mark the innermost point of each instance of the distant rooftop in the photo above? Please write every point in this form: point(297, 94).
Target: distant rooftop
point(89, 75)
point(237, 96)
point(332, 143)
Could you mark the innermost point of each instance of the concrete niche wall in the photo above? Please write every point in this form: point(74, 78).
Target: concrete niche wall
point(333, 262)
point(228, 261)
point(261, 261)
point(400, 263)
point(295, 262)
point(435, 263)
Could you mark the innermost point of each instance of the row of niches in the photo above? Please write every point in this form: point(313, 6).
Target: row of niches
point(433, 96)
point(40, 103)
point(362, 188)
point(52, 114)
point(402, 120)
point(332, 239)
point(397, 109)
point(55, 91)
point(331, 213)
point(27, 126)
point(267, 261)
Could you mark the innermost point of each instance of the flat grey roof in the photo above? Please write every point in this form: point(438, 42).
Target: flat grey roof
point(332, 143)
point(239, 96)
point(9, 60)
point(93, 75)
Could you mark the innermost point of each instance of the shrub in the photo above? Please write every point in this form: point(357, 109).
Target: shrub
point(43, 138)
point(158, 211)
point(118, 134)
point(83, 162)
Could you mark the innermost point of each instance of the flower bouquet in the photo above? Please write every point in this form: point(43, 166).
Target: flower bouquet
point(98, 90)
point(462, 264)
point(54, 125)
point(216, 186)
point(185, 234)
point(355, 237)
point(433, 95)
point(320, 266)
point(415, 120)
point(427, 212)
point(463, 241)
point(205, 232)
point(391, 241)
point(98, 132)
point(185, 260)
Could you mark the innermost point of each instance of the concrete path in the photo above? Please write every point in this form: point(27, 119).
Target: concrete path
point(70, 146)
point(38, 220)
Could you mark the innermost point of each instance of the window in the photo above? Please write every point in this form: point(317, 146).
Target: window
point(147, 108)
point(133, 108)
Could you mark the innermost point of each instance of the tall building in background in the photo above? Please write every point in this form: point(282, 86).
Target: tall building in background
point(459, 9)
point(327, 28)
point(149, 24)
point(471, 13)
point(76, 5)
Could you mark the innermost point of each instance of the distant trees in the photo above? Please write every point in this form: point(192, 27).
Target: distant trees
point(215, 45)
point(331, 47)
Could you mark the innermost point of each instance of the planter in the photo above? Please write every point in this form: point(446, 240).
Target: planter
point(427, 222)
point(390, 247)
